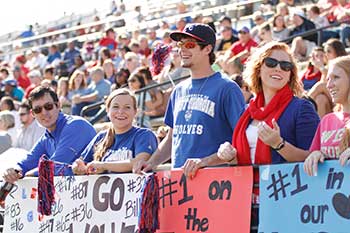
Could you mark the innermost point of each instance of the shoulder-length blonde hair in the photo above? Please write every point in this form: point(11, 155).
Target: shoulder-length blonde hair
point(73, 77)
point(253, 68)
point(102, 146)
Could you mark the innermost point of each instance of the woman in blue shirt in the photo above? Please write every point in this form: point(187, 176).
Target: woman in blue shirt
point(122, 144)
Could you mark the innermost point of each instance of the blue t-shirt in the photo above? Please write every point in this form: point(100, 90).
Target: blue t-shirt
point(17, 93)
point(126, 145)
point(64, 144)
point(103, 88)
point(203, 114)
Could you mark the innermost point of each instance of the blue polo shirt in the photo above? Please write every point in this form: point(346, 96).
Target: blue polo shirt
point(64, 144)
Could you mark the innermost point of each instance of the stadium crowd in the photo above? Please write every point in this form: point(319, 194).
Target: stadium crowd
point(264, 87)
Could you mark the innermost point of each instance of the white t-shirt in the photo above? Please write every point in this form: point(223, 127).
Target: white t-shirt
point(252, 137)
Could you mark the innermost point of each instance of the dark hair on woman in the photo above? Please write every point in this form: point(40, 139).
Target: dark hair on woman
point(9, 102)
point(337, 45)
point(275, 18)
point(140, 79)
point(105, 51)
point(144, 70)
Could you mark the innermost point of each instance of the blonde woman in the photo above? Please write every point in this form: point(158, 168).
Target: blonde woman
point(122, 145)
point(331, 140)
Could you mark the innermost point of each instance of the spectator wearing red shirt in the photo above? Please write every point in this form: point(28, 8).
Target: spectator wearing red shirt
point(109, 40)
point(22, 79)
point(242, 47)
point(35, 78)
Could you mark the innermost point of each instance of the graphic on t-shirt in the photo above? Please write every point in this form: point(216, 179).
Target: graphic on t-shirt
point(194, 102)
point(330, 142)
point(118, 155)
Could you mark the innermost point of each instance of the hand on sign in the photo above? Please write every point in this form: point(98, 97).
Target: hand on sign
point(227, 152)
point(95, 167)
point(79, 167)
point(191, 167)
point(344, 157)
point(142, 166)
point(11, 175)
point(269, 136)
point(311, 162)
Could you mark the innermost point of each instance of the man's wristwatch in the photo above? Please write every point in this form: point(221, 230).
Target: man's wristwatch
point(280, 146)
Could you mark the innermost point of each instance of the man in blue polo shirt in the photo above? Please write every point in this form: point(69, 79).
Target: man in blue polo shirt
point(65, 137)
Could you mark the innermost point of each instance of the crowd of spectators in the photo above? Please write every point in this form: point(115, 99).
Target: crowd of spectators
point(285, 89)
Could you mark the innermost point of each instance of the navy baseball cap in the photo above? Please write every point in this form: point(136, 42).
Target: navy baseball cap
point(202, 32)
point(9, 81)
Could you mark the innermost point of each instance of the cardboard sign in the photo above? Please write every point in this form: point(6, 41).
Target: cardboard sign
point(89, 204)
point(216, 200)
point(300, 203)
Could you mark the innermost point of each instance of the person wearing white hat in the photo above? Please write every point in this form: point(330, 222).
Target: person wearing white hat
point(302, 46)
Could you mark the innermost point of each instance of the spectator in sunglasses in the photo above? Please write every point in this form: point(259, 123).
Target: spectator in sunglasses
point(277, 123)
point(195, 111)
point(61, 143)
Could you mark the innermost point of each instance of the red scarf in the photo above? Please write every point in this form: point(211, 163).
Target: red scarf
point(257, 111)
point(310, 75)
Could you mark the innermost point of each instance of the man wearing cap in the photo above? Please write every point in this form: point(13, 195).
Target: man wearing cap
point(227, 39)
point(302, 46)
point(242, 47)
point(202, 111)
point(11, 89)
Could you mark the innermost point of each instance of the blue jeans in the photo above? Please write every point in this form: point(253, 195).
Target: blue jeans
point(345, 36)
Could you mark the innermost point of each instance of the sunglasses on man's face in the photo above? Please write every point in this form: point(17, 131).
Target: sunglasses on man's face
point(272, 63)
point(47, 107)
point(189, 44)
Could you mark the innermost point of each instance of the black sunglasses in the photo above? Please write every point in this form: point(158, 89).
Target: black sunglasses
point(131, 80)
point(272, 63)
point(47, 107)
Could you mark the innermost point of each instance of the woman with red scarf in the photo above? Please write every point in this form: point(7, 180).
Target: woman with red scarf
point(277, 126)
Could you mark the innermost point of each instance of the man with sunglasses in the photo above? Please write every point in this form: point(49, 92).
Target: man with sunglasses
point(202, 111)
point(64, 139)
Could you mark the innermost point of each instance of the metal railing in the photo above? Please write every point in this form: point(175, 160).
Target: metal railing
point(316, 30)
point(101, 114)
